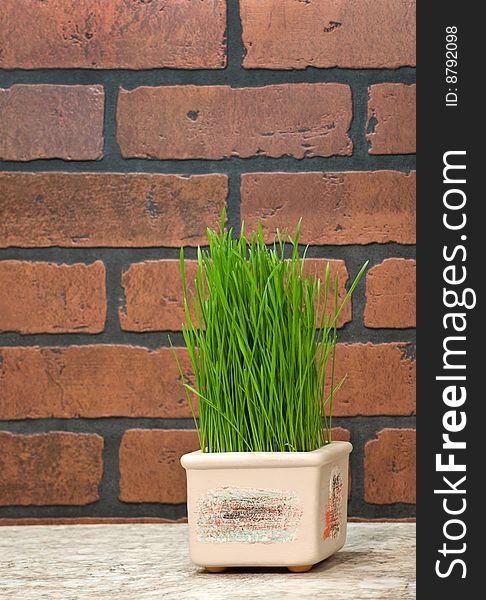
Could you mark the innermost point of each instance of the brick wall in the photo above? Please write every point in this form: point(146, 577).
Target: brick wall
point(124, 130)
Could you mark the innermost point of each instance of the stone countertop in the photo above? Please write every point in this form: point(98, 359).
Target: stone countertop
point(137, 561)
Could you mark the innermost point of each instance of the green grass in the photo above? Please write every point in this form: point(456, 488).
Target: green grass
point(259, 365)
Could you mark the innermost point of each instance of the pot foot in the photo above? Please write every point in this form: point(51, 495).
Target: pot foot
point(300, 568)
point(215, 569)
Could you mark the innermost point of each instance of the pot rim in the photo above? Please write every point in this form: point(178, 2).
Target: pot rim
point(199, 460)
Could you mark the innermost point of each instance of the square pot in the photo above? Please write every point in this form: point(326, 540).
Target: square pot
point(267, 508)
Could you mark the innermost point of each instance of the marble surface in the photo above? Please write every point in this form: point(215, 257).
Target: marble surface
point(137, 561)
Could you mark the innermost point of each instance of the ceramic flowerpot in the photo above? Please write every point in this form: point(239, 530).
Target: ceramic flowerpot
point(267, 508)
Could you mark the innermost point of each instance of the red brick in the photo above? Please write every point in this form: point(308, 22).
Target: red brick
point(339, 434)
point(390, 294)
point(51, 121)
point(40, 297)
point(135, 382)
point(336, 208)
point(153, 295)
point(285, 34)
point(50, 468)
point(154, 299)
point(389, 467)
point(92, 382)
point(87, 520)
point(150, 469)
point(108, 34)
point(391, 127)
point(381, 380)
point(109, 209)
point(213, 122)
point(317, 266)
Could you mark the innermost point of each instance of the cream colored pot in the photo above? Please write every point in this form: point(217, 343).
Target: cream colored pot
point(267, 508)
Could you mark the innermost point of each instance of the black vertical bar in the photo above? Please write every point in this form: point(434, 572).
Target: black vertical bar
point(450, 206)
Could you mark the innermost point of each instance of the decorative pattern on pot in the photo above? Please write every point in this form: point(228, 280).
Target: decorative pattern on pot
point(249, 515)
point(334, 510)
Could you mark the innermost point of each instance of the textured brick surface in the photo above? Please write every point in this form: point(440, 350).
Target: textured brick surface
point(390, 294)
point(108, 209)
point(51, 121)
point(381, 380)
point(87, 520)
point(92, 381)
point(153, 298)
point(135, 177)
point(50, 468)
point(150, 470)
point(340, 434)
point(107, 34)
point(153, 293)
point(336, 208)
point(39, 297)
point(213, 122)
point(390, 467)
point(317, 267)
point(290, 34)
point(391, 127)
point(135, 382)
